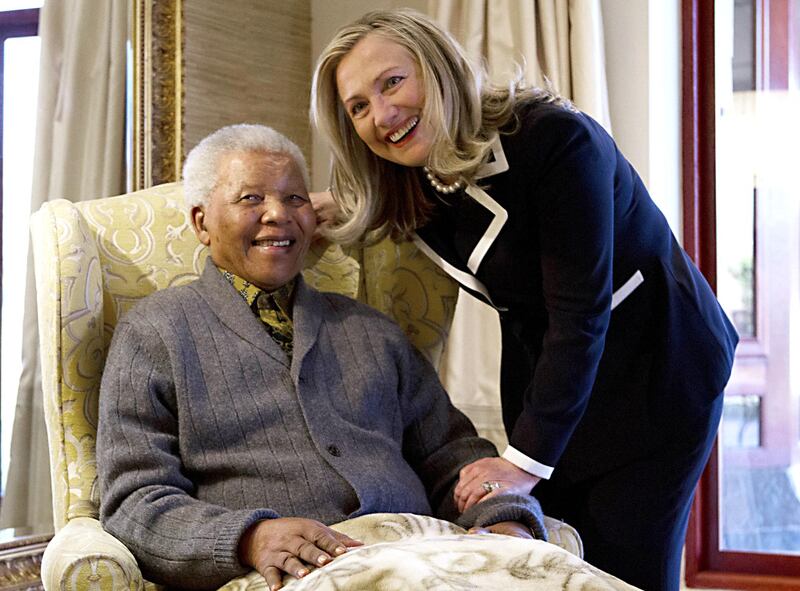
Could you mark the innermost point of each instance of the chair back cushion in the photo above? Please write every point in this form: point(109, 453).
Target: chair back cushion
point(93, 261)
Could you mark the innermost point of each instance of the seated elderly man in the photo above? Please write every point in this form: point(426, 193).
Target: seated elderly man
point(243, 411)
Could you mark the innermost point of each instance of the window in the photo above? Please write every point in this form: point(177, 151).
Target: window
point(742, 208)
point(19, 56)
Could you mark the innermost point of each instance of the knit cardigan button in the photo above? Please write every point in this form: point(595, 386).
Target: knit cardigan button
point(334, 451)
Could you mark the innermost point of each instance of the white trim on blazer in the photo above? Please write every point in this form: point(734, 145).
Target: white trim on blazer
point(627, 289)
point(464, 278)
point(500, 218)
point(498, 164)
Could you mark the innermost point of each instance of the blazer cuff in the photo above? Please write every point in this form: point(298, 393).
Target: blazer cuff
point(520, 460)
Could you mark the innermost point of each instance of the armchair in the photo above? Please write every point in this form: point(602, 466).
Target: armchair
point(93, 261)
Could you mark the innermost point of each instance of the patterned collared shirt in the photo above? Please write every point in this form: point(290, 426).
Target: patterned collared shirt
point(274, 308)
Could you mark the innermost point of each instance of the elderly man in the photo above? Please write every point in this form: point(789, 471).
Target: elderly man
point(242, 412)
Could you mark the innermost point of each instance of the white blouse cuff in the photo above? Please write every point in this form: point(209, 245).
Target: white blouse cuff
point(520, 460)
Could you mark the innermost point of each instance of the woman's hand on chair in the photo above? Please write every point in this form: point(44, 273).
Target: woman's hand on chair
point(489, 477)
point(290, 545)
point(326, 208)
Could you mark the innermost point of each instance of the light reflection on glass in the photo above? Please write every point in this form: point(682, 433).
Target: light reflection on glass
point(758, 270)
point(21, 80)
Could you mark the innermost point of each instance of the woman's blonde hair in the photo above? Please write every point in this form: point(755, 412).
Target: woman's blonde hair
point(378, 197)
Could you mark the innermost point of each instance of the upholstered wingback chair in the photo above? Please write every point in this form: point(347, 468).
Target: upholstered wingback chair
point(93, 261)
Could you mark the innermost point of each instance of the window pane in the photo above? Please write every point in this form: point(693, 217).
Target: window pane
point(741, 422)
point(758, 269)
point(20, 83)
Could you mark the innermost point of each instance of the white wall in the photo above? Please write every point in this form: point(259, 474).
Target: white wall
point(643, 65)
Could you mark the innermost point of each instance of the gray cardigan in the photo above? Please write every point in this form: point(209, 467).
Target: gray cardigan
point(206, 427)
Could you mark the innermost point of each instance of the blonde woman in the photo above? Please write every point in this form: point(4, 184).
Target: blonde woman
point(615, 350)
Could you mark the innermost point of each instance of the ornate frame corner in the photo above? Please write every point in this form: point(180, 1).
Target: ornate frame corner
point(20, 566)
point(157, 131)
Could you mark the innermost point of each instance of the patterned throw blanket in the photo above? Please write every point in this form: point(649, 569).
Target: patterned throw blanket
point(404, 552)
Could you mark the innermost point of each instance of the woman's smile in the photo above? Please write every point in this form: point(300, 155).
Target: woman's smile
point(405, 132)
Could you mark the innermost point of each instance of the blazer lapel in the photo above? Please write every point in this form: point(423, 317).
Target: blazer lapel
point(432, 248)
point(497, 162)
point(426, 239)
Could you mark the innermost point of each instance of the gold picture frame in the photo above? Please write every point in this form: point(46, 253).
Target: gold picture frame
point(157, 125)
point(21, 559)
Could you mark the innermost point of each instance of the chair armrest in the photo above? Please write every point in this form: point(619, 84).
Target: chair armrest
point(564, 536)
point(84, 556)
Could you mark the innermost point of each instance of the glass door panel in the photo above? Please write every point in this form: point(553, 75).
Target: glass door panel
point(19, 99)
point(758, 268)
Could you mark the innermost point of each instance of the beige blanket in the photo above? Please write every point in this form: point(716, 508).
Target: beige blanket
point(410, 552)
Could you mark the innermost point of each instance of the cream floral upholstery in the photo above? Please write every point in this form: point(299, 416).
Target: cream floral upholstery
point(93, 261)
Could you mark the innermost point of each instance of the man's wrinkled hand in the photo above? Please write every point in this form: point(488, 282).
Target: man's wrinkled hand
point(290, 545)
point(506, 528)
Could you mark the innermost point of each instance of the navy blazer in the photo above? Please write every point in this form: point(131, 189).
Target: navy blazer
point(612, 339)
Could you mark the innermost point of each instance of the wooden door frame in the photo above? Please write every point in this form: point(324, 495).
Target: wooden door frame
point(706, 565)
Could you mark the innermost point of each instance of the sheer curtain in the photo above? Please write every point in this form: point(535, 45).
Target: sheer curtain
point(79, 154)
point(560, 41)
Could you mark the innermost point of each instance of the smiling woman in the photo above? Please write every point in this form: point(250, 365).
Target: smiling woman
point(562, 238)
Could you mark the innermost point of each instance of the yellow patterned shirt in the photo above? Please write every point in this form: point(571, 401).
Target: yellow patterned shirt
point(274, 308)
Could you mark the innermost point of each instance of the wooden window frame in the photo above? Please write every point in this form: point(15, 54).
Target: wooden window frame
point(706, 565)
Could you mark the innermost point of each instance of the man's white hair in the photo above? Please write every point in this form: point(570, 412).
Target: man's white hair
point(200, 168)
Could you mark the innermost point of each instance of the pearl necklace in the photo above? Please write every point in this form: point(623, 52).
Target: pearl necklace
point(437, 184)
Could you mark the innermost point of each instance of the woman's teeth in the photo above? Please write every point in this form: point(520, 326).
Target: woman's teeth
point(401, 133)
